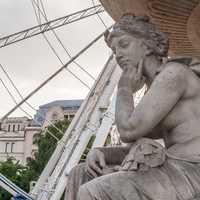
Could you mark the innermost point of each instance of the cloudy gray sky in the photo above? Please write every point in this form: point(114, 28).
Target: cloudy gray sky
point(31, 61)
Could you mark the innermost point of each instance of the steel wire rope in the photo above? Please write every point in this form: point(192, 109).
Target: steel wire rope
point(58, 71)
point(99, 16)
point(39, 16)
point(14, 100)
point(45, 17)
point(19, 93)
point(45, 27)
point(56, 54)
point(59, 40)
point(66, 147)
point(43, 13)
point(61, 43)
point(14, 187)
point(8, 91)
point(68, 144)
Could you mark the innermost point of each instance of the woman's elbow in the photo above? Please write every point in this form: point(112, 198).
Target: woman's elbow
point(128, 136)
point(125, 139)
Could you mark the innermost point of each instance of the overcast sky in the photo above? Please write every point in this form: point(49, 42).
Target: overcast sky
point(31, 61)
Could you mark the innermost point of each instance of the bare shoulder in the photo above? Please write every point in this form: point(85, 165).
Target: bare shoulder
point(173, 74)
point(174, 69)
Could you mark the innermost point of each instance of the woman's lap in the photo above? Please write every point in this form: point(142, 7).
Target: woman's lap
point(173, 181)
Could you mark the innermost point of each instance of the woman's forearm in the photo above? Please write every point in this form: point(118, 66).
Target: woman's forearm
point(124, 106)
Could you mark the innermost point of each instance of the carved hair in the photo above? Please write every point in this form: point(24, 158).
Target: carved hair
point(141, 27)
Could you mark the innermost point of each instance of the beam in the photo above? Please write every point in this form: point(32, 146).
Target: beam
point(36, 30)
point(54, 75)
point(12, 188)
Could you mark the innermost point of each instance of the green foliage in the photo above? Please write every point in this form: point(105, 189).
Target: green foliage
point(23, 175)
point(17, 173)
point(46, 146)
point(89, 146)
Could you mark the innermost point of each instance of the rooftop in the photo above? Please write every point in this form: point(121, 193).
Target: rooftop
point(63, 103)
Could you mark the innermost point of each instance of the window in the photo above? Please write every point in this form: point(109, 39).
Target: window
point(35, 138)
point(13, 127)
point(28, 159)
point(8, 127)
point(12, 144)
point(18, 127)
point(54, 116)
point(6, 148)
point(71, 117)
point(9, 147)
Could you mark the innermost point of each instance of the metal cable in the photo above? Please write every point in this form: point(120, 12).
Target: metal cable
point(8, 91)
point(56, 54)
point(43, 13)
point(45, 27)
point(61, 43)
point(39, 17)
point(17, 90)
point(56, 73)
point(14, 100)
point(100, 18)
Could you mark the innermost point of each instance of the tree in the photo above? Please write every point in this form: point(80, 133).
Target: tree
point(23, 175)
point(46, 146)
point(17, 173)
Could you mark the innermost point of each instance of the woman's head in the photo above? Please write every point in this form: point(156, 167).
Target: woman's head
point(140, 27)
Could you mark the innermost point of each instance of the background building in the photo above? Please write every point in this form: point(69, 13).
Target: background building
point(17, 134)
point(57, 110)
point(16, 139)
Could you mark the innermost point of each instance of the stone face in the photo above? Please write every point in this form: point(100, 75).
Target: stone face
point(180, 19)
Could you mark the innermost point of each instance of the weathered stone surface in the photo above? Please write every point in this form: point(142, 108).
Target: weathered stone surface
point(169, 110)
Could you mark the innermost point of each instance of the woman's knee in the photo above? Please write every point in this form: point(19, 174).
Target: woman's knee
point(83, 193)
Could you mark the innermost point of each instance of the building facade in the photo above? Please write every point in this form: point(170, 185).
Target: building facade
point(57, 110)
point(17, 137)
point(17, 134)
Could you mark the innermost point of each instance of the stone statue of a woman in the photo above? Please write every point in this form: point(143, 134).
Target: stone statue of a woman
point(169, 110)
